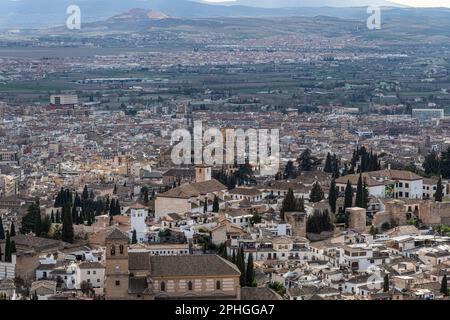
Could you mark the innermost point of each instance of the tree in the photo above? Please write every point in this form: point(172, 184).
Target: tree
point(256, 218)
point(215, 207)
point(205, 206)
point(278, 288)
point(12, 230)
point(335, 166)
point(386, 283)
point(31, 221)
point(250, 272)
point(134, 237)
point(240, 263)
point(348, 198)
point(13, 247)
point(233, 257)
point(444, 285)
point(115, 189)
point(328, 164)
point(85, 194)
point(46, 225)
point(319, 222)
point(144, 194)
point(8, 252)
point(289, 171)
point(307, 161)
point(2, 230)
point(332, 196)
point(67, 227)
point(288, 203)
point(86, 287)
point(359, 201)
point(439, 191)
point(316, 194)
point(366, 194)
point(432, 165)
point(373, 230)
point(445, 164)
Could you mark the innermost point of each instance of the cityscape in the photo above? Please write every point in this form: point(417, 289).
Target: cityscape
point(226, 151)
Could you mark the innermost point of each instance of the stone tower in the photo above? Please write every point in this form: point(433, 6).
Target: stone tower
point(202, 173)
point(116, 284)
point(356, 219)
point(298, 222)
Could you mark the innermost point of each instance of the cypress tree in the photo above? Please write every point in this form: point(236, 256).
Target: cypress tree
point(289, 203)
point(8, 248)
point(335, 166)
point(46, 225)
point(328, 165)
point(444, 285)
point(366, 194)
point(134, 237)
point(205, 207)
point(58, 217)
point(348, 200)
point(359, 201)
point(438, 196)
point(332, 196)
point(38, 223)
point(13, 247)
point(52, 217)
point(12, 230)
point(386, 283)
point(67, 227)
point(117, 208)
point(2, 230)
point(233, 257)
point(250, 272)
point(240, 263)
point(75, 217)
point(215, 204)
point(316, 194)
point(85, 194)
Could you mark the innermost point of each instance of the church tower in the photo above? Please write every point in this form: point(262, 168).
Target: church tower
point(202, 173)
point(116, 284)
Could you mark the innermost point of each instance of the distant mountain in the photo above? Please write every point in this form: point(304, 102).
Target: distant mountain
point(34, 14)
point(140, 14)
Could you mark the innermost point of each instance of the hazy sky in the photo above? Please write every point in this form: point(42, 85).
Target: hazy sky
point(415, 3)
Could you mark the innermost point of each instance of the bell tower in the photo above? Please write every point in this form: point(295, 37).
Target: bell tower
point(202, 173)
point(116, 284)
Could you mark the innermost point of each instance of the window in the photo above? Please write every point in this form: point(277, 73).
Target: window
point(190, 285)
point(407, 194)
point(163, 286)
point(98, 280)
point(121, 249)
point(88, 272)
point(400, 184)
point(117, 282)
point(217, 285)
point(406, 185)
point(94, 272)
point(113, 250)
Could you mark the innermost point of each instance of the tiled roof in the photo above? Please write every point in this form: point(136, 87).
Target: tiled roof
point(188, 265)
point(194, 189)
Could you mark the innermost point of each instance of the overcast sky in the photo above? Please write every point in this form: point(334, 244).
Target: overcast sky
point(415, 3)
